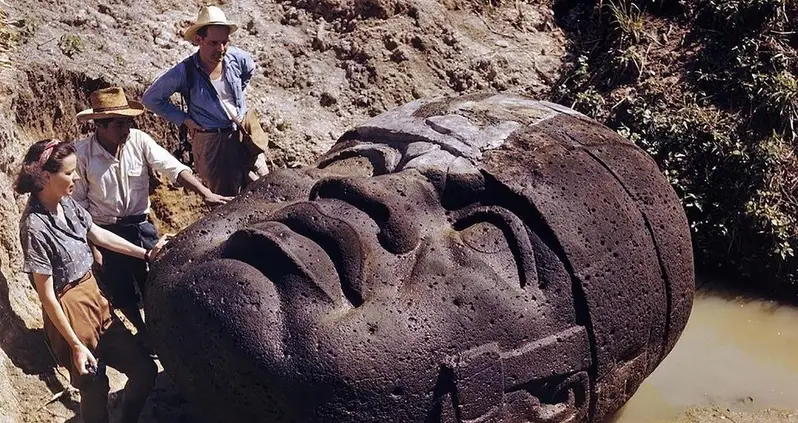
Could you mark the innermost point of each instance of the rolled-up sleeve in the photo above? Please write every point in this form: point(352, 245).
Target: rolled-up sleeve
point(34, 252)
point(161, 160)
point(156, 98)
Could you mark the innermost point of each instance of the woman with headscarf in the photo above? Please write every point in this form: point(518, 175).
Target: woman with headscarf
point(83, 333)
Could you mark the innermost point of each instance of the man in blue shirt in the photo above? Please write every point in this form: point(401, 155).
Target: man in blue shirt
point(226, 137)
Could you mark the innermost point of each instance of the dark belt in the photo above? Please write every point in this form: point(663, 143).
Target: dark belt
point(216, 130)
point(129, 220)
point(73, 284)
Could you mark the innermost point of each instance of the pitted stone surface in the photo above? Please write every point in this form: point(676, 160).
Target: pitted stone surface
point(482, 258)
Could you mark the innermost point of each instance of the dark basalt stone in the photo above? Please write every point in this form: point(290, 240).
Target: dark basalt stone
point(483, 258)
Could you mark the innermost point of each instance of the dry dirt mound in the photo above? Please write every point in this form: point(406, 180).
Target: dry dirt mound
point(323, 67)
point(725, 415)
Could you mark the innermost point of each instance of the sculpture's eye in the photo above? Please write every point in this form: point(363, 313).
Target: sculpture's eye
point(354, 165)
point(486, 237)
point(494, 247)
point(502, 240)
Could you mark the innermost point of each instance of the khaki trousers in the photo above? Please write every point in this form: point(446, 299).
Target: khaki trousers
point(89, 315)
point(224, 160)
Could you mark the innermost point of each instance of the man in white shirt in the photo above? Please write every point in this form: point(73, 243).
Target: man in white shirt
point(114, 187)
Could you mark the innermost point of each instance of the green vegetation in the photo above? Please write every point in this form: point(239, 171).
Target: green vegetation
point(709, 89)
point(70, 44)
point(10, 36)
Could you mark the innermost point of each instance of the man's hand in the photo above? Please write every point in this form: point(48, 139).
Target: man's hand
point(212, 199)
point(82, 359)
point(192, 126)
point(188, 180)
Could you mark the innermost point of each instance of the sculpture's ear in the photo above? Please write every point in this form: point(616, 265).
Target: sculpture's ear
point(570, 403)
point(565, 402)
point(525, 384)
point(477, 384)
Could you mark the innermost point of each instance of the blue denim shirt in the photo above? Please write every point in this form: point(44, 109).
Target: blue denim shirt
point(206, 108)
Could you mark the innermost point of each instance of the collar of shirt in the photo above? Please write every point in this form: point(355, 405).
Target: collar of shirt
point(206, 106)
point(117, 187)
point(97, 150)
point(66, 226)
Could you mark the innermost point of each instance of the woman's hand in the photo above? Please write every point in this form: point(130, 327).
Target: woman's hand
point(82, 358)
point(159, 246)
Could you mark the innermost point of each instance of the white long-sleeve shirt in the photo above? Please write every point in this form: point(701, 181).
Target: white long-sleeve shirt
point(111, 188)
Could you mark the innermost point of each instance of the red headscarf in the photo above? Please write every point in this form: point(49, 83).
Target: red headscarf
point(48, 150)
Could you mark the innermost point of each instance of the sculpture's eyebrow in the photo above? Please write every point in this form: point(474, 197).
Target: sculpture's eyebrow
point(391, 157)
point(383, 158)
point(515, 232)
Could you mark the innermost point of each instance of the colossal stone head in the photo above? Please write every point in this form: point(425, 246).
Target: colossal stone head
point(482, 258)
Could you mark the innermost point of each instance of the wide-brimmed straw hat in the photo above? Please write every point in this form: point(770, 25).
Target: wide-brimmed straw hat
point(209, 15)
point(110, 103)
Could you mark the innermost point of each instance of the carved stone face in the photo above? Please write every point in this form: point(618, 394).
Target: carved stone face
point(483, 257)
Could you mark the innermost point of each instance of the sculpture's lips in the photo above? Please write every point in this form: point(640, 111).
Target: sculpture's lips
point(327, 224)
point(286, 258)
point(311, 240)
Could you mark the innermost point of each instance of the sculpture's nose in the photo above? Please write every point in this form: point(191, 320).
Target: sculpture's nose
point(403, 207)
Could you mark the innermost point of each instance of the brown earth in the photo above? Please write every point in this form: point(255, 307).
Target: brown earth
point(724, 415)
point(337, 61)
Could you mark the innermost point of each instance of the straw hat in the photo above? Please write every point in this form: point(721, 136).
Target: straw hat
point(110, 103)
point(209, 15)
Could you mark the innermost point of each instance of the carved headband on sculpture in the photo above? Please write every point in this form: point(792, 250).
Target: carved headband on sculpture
point(48, 150)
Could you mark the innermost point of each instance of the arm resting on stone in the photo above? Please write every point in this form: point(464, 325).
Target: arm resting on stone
point(114, 242)
point(162, 161)
point(188, 180)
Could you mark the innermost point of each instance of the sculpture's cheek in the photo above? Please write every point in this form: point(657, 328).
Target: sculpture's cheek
point(219, 329)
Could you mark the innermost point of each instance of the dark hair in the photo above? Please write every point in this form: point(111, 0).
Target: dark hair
point(31, 178)
point(103, 122)
point(203, 31)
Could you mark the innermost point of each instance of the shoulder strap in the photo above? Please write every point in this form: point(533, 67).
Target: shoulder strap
point(184, 151)
point(191, 77)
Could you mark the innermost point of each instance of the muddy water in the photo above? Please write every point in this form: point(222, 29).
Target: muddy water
point(735, 353)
